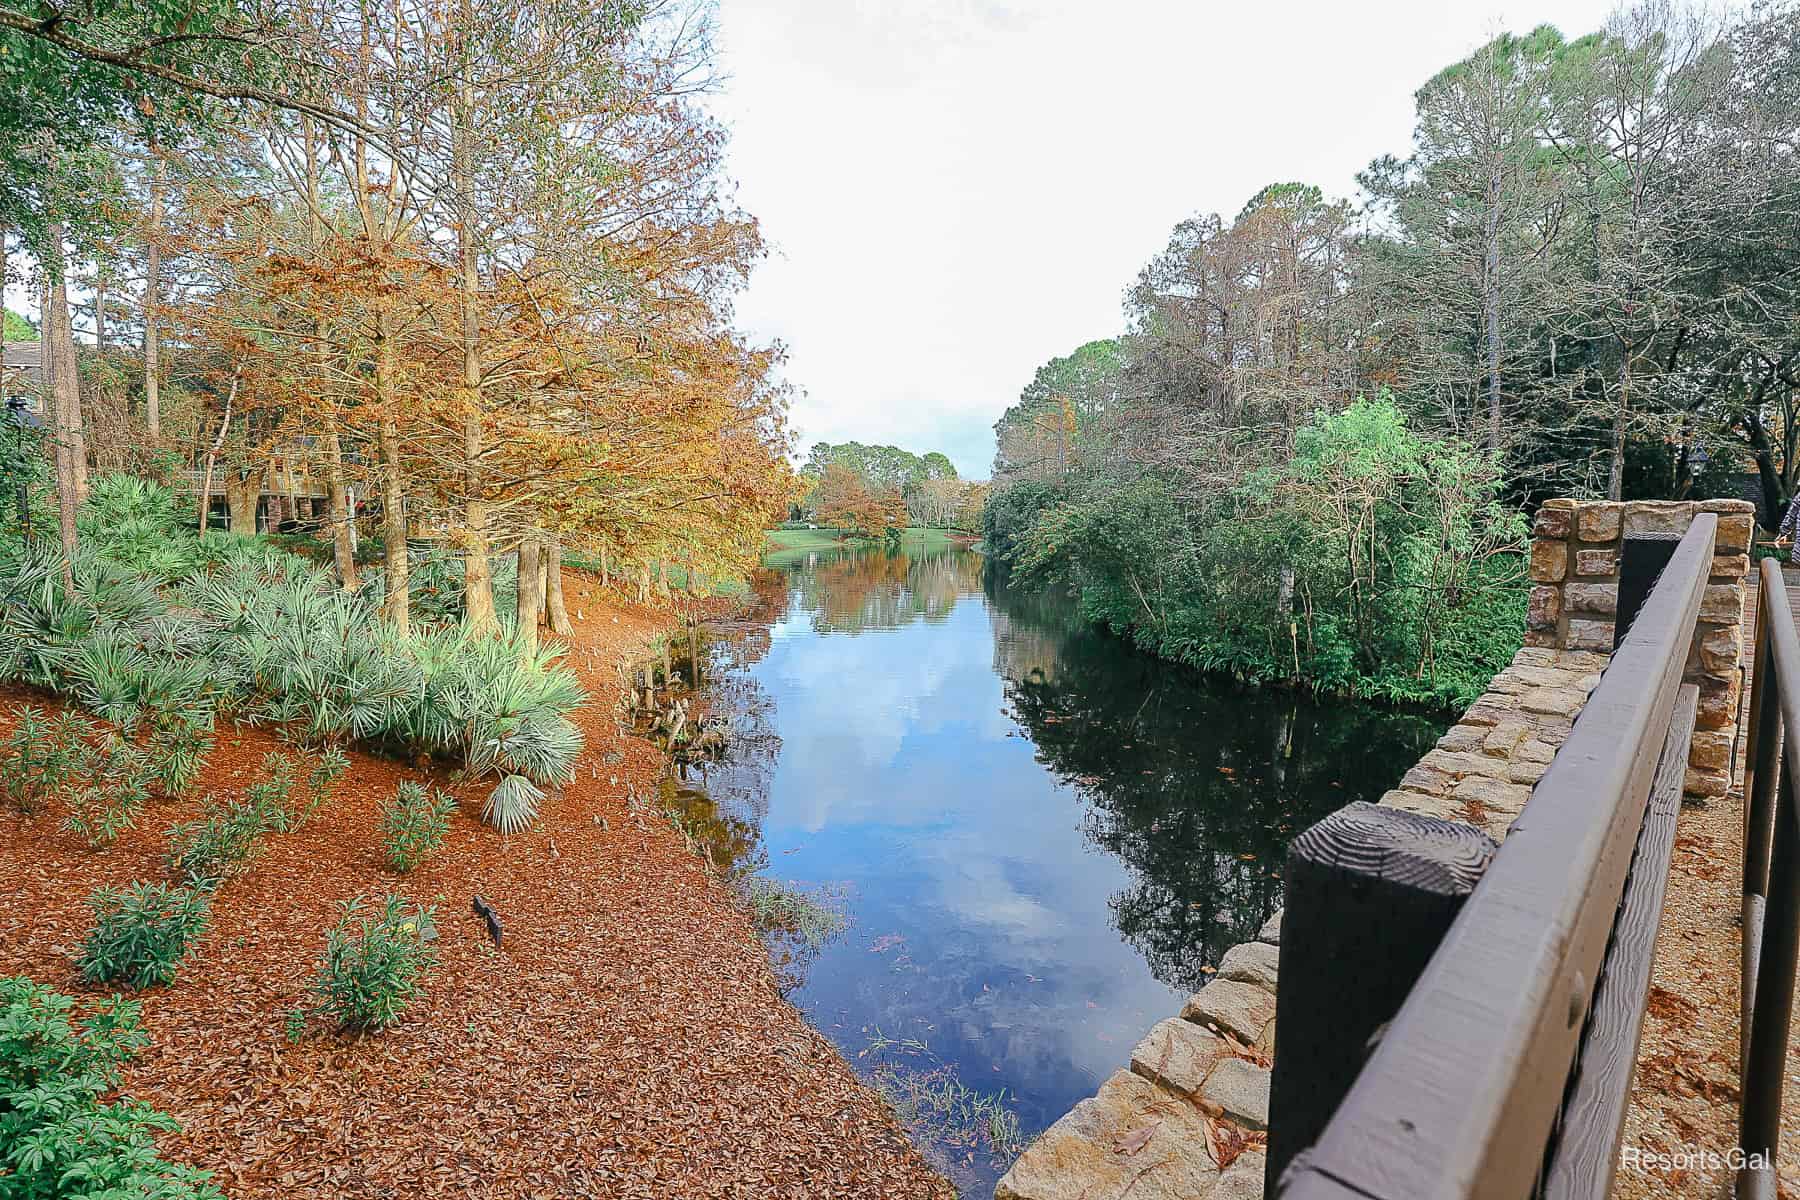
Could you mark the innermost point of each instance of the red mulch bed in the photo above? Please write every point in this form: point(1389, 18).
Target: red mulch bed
point(629, 1041)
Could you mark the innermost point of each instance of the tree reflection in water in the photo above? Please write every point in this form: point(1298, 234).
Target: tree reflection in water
point(1198, 785)
point(1046, 837)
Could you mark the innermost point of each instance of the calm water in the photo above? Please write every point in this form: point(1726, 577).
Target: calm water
point(1041, 838)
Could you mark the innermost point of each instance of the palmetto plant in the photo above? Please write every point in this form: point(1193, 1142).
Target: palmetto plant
point(235, 625)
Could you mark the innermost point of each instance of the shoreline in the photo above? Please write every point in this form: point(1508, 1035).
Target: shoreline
point(678, 1068)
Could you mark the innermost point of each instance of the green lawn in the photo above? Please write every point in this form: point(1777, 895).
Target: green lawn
point(803, 539)
point(788, 541)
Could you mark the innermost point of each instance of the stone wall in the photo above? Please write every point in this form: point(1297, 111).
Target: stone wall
point(1188, 1117)
point(1575, 552)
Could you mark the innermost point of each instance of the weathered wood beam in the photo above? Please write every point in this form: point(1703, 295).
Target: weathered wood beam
point(1459, 1098)
point(1369, 893)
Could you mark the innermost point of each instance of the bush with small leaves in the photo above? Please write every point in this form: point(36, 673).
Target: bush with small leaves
point(205, 852)
point(328, 767)
point(141, 932)
point(414, 823)
point(58, 1136)
point(268, 796)
point(40, 755)
point(109, 792)
point(173, 757)
point(372, 966)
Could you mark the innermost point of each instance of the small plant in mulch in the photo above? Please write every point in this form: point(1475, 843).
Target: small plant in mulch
point(58, 1135)
point(328, 766)
point(413, 824)
point(173, 756)
point(108, 793)
point(41, 755)
point(207, 851)
point(141, 933)
point(373, 966)
point(269, 796)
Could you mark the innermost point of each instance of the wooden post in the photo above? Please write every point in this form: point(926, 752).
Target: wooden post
point(1370, 892)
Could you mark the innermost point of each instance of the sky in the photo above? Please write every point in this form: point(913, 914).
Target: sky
point(956, 191)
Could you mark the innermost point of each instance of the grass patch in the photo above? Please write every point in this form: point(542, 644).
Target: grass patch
point(813, 916)
point(953, 1124)
point(804, 539)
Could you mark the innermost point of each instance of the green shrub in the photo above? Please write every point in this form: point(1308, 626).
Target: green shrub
point(269, 797)
point(414, 823)
point(108, 792)
point(206, 851)
point(41, 755)
point(168, 638)
point(174, 756)
point(373, 965)
point(328, 767)
point(141, 932)
point(58, 1138)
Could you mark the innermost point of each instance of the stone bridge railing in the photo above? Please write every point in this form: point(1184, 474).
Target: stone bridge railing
point(1187, 1115)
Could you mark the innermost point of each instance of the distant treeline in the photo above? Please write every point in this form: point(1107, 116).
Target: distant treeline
point(880, 490)
point(1308, 455)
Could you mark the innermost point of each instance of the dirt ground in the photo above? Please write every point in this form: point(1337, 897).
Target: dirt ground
point(1684, 1103)
point(628, 1041)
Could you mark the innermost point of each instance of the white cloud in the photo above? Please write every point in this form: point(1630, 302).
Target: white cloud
point(959, 190)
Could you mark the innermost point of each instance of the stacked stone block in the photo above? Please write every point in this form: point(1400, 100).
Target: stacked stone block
point(1144, 1135)
point(1575, 552)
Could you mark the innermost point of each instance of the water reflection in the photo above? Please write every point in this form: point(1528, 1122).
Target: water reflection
point(1042, 837)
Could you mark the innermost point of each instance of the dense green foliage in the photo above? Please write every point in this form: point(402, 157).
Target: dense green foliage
point(414, 823)
point(59, 1138)
point(165, 628)
point(373, 965)
point(878, 466)
point(1582, 267)
point(40, 755)
point(18, 329)
point(226, 835)
point(1376, 562)
point(141, 932)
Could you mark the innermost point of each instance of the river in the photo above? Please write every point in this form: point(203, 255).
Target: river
point(1039, 839)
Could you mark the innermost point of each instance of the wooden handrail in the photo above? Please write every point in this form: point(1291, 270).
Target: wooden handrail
point(1771, 945)
point(1459, 1098)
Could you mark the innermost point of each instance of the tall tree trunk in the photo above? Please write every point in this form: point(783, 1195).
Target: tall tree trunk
point(343, 548)
point(59, 340)
point(61, 377)
point(553, 588)
point(100, 288)
point(396, 603)
point(212, 454)
point(152, 299)
point(242, 494)
point(530, 604)
point(337, 494)
point(1615, 480)
point(478, 580)
point(1491, 304)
